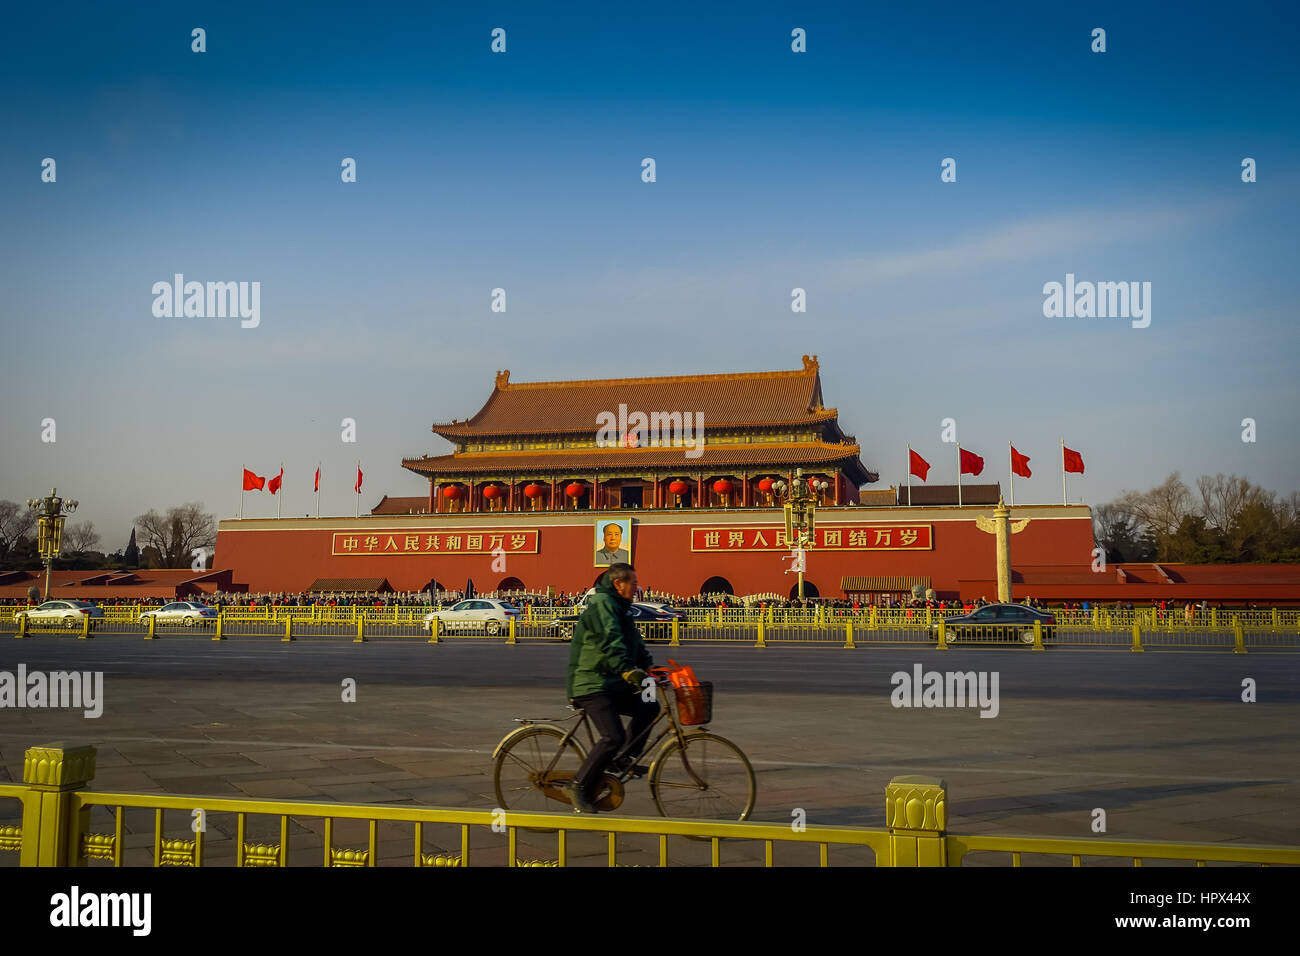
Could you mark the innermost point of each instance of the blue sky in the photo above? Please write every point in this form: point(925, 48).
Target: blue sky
point(522, 171)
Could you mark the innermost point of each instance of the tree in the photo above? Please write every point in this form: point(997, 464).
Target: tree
point(80, 537)
point(131, 556)
point(1160, 510)
point(17, 523)
point(174, 535)
point(1120, 535)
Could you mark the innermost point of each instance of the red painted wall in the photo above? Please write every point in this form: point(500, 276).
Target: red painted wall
point(290, 555)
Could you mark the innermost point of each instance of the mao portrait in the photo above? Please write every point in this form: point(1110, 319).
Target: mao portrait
point(613, 542)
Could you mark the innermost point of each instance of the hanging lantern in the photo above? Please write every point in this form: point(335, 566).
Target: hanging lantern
point(493, 494)
point(678, 488)
point(451, 491)
point(765, 484)
point(574, 490)
point(722, 486)
point(534, 492)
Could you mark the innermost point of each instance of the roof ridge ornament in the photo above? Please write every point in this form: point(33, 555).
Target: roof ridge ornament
point(503, 378)
point(810, 363)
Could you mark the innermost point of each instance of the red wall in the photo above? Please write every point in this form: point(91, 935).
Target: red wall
point(267, 555)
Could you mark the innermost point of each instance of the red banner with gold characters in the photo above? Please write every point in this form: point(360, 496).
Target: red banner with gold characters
point(436, 542)
point(849, 537)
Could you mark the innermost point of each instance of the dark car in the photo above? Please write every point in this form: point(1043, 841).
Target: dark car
point(996, 622)
point(655, 621)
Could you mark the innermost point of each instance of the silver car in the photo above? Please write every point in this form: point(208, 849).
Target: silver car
point(180, 612)
point(475, 614)
point(68, 613)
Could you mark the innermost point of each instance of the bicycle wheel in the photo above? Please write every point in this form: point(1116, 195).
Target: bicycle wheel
point(520, 776)
point(708, 779)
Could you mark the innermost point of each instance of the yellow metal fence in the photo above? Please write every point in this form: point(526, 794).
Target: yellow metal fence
point(56, 819)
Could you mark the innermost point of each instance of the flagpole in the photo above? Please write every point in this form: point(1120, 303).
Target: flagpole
point(1063, 498)
point(958, 474)
point(318, 489)
point(279, 492)
point(357, 512)
point(1011, 475)
point(909, 476)
point(242, 469)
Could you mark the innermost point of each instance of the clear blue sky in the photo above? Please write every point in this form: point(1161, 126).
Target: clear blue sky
point(775, 170)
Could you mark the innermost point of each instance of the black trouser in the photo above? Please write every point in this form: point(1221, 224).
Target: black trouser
point(606, 710)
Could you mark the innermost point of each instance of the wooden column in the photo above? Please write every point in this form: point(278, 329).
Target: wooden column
point(469, 498)
point(699, 490)
point(432, 502)
point(510, 496)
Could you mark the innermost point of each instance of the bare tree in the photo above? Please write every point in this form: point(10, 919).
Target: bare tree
point(16, 523)
point(1223, 499)
point(1162, 509)
point(177, 533)
point(80, 537)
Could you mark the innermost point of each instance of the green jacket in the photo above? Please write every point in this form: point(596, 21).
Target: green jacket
point(606, 643)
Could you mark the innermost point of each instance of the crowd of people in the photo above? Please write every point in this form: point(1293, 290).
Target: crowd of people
point(567, 599)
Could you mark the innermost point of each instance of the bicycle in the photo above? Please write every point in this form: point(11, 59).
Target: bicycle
point(698, 775)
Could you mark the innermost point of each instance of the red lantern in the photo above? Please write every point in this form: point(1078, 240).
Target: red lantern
point(451, 491)
point(491, 491)
point(679, 487)
point(722, 486)
point(765, 484)
point(533, 491)
point(574, 490)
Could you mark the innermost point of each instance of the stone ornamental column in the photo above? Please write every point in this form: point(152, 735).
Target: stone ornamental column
point(1001, 526)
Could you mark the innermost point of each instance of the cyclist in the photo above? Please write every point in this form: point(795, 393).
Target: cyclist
point(607, 663)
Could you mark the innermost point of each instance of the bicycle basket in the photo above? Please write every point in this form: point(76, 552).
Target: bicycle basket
point(695, 703)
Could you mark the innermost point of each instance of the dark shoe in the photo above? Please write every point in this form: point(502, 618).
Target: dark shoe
point(581, 804)
point(624, 765)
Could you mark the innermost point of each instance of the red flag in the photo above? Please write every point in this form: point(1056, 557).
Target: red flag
point(357, 486)
point(317, 488)
point(971, 463)
point(1020, 464)
point(1072, 460)
point(917, 465)
point(253, 482)
point(274, 484)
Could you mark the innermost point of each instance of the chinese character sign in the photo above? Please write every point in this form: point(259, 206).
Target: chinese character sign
point(865, 537)
point(459, 542)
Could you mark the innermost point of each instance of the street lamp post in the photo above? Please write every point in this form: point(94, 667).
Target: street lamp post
point(800, 518)
point(50, 512)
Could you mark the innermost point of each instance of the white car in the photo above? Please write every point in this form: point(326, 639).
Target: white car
point(180, 612)
point(68, 613)
point(475, 614)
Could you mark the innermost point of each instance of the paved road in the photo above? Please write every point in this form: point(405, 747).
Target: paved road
point(1161, 741)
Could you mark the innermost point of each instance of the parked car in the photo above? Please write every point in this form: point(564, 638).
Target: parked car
point(475, 614)
point(655, 620)
point(996, 622)
point(180, 612)
point(68, 613)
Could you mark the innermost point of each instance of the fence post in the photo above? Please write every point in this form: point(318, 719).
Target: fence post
point(288, 630)
point(22, 626)
point(433, 630)
point(848, 634)
point(52, 773)
point(871, 623)
point(510, 632)
point(762, 636)
point(1038, 634)
point(1137, 647)
point(675, 642)
point(916, 812)
point(1214, 618)
point(1238, 636)
point(153, 626)
point(1275, 620)
point(221, 634)
point(361, 631)
point(85, 627)
point(942, 643)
